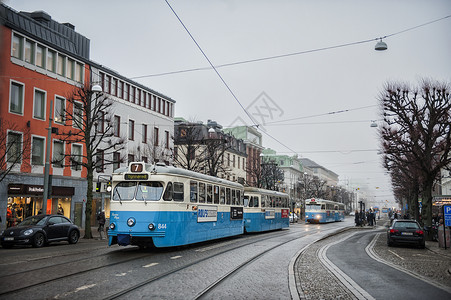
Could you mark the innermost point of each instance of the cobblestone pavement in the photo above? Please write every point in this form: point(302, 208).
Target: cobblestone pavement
point(314, 281)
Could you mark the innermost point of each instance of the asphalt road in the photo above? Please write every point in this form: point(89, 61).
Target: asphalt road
point(377, 279)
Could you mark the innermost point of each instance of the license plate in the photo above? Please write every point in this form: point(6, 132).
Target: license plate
point(9, 239)
point(406, 233)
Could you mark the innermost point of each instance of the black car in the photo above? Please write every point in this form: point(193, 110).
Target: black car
point(40, 230)
point(407, 232)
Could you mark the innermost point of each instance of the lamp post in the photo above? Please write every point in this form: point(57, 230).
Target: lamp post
point(47, 162)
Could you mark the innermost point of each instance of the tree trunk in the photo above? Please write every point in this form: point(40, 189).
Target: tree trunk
point(426, 211)
point(88, 208)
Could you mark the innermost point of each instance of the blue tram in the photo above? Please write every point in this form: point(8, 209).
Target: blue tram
point(323, 211)
point(163, 206)
point(265, 210)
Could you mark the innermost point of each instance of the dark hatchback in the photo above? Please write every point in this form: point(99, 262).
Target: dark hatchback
point(407, 232)
point(40, 230)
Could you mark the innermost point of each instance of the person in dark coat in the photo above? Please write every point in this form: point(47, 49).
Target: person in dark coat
point(101, 220)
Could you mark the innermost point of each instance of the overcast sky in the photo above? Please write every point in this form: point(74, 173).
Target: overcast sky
point(318, 104)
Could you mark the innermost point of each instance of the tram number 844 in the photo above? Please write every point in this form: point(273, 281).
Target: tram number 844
point(161, 226)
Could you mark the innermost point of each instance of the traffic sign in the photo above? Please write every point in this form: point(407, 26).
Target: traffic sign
point(447, 214)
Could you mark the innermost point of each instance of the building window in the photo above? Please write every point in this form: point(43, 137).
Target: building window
point(76, 157)
point(131, 130)
point(29, 52)
point(70, 68)
point(116, 160)
point(79, 72)
point(138, 96)
point(51, 60)
point(101, 122)
point(130, 158)
point(99, 161)
point(132, 94)
point(120, 89)
point(117, 125)
point(60, 106)
point(78, 115)
point(144, 129)
point(39, 105)
point(155, 136)
point(16, 51)
point(58, 154)
point(16, 98)
point(106, 87)
point(114, 87)
point(166, 135)
point(14, 147)
point(40, 56)
point(126, 91)
point(37, 151)
point(61, 67)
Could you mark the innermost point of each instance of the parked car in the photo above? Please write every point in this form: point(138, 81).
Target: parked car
point(293, 217)
point(40, 230)
point(406, 232)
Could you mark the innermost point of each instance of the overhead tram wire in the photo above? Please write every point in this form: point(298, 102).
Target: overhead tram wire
point(212, 66)
point(287, 54)
point(223, 81)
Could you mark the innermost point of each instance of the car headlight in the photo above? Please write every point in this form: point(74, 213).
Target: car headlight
point(112, 226)
point(1, 233)
point(28, 232)
point(131, 222)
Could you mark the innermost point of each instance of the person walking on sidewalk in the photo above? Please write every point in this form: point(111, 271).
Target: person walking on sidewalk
point(101, 220)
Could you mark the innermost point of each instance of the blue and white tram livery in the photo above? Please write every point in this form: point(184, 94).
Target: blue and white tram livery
point(164, 206)
point(323, 211)
point(265, 210)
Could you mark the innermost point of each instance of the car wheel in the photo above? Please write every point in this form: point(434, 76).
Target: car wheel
point(38, 240)
point(73, 237)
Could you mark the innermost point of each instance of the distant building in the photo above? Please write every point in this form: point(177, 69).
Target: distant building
point(198, 136)
point(330, 177)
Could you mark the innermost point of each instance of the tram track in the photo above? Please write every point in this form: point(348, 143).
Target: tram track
point(205, 291)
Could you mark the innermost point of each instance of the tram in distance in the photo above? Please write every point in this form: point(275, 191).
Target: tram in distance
point(323, 211)
point(265, 210)
point(164, 206)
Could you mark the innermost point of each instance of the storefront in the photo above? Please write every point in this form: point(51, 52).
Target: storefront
point(26, 200)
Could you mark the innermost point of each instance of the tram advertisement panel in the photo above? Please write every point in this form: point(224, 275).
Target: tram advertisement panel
point(207, 213)
point(285, 213)
point(236, 213)
point(270, 214)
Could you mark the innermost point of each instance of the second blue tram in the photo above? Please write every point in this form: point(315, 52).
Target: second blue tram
point(323, 211)
point(265, 210)
point(163, 206)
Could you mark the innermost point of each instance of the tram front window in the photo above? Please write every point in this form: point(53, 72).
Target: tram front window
point(149, 191)
point(124, 191)
point(313, 207)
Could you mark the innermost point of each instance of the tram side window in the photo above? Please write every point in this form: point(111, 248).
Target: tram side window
point(124, 190)
point(233, 197)
point(216, 194)
point(272, 201)
point(209, 193)
point(239, 198)
point(178, 192)
point(193, 191)
point(149, 191)
point(264, 197)
point(285, 202)
point(168, 192)
point(323, 206)
point(246, 201)
point(201, 192)
point(228, 196)
point(222, 196)
point(253, 202)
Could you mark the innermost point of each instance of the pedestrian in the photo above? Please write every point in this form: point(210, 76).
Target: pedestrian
point(357, 218)
point(60, 210)
point(101, 220)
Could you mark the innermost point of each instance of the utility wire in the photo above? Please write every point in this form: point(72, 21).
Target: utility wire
point(287, 54)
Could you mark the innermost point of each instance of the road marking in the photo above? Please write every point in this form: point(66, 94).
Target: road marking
point(395, 254)
point(150, 265)
point(175, 257)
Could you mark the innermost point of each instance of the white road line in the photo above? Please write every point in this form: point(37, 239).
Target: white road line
point(350, 284)
point(370, 250)
point(150, 265)
point(176, 257)
point(396, 254)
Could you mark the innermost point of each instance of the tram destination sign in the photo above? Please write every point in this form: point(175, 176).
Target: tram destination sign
point(134, 176)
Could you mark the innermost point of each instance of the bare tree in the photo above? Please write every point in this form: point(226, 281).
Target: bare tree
point(88, 121)
point(254, 171)
point(272, 176)
point(212, 156)
point(15, 151)
point(416, 132)
point(188, 144)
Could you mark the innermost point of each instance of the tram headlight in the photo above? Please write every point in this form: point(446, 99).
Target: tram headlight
point(151, 226)
point(112, 226)
point(318, 217)
point(131, 222)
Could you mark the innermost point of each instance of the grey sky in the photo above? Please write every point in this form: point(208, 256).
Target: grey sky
point(138, 38)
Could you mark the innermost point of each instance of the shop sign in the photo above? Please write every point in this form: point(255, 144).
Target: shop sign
point(34, 189)
point(15, 188)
